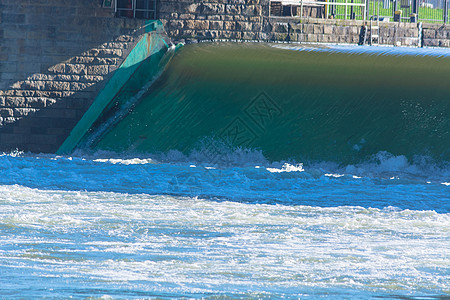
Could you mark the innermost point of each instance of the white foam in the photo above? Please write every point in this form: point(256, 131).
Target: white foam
point(334, 175)
point(287, 168)
point(185, 246)
point(131, 161)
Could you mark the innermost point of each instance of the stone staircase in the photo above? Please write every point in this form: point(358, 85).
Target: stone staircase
point(41, 110)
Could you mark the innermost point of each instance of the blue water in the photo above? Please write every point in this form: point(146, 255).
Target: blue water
point(168, 226)
point(103, 225)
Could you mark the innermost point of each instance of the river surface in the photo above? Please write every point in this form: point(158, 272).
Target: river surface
point(338, 191)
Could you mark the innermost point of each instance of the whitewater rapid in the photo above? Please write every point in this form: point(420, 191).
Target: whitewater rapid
point(139, 227)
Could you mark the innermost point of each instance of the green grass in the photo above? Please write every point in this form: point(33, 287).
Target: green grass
point(429, 15)
point(435, 14)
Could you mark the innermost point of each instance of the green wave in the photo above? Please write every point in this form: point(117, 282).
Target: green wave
point(302, 105)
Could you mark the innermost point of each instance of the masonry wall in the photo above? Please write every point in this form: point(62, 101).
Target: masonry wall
point(193, 21)
point(341, 32)
point(55, 56)
point(436, 35)
point(189, 20)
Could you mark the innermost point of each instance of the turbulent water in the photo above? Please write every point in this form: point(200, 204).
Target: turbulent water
point(342, 104)
point(361, 211)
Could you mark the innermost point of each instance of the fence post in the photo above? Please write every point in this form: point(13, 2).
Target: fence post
point(415, 6)
point(367, 9)
point(445, 11)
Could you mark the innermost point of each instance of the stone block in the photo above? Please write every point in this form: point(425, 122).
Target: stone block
point(105, 61)
point(318, 29)
point(244, 26)
point(189, 24)
point(81, 59)
point(98, 70)
point(212, 8)
point(14, 102)
point(78, 86)
point(249, 35)
point(23, 112)
point(441, 34)
point(110, 52)
point(297, 28)
point(194, 8)
point(280, 27)
point(214, 17)
point(59, 68)
point(187, 17)
point(444, 43)
point(429, 34)
point(12, 18)
point(177, 24)
point(35, 102)
point(216, 25)
point(76, 69)
point(8, 67)
point(328, 29)
point(256, 27)
point(233, 9)
point(249, 10)
point(308, 28)
point(201, 24)
point(354, 39)
point(6, 112)
point(227, 25)
point(353, 30)
point(311, 37)
point(91, 78)
point(57, 86)
point(331, 38)
point(430, 42)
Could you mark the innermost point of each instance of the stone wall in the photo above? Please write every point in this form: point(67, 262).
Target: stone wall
point(192, 21)
point(436, 35)
point(55, 56)
point(188, 20)
point(340, 32)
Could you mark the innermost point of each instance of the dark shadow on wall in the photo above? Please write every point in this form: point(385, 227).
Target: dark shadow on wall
point(45, 129)
point(51, 69)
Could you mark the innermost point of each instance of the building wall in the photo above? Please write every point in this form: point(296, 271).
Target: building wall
point(55, 55)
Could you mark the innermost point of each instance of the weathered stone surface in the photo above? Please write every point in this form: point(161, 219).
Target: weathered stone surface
point(46, 61)
point(98, 70)
point(6, 112)
point(429, 34)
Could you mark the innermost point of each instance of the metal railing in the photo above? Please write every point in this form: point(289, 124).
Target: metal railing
point(353, 9)
point(140, 9)
point(434, 11)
